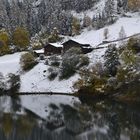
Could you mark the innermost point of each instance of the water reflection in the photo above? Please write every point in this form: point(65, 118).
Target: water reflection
point(93, 120)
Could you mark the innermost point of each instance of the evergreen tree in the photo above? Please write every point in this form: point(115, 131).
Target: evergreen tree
point(111, 60)
point(121, 6)
point(110, 11)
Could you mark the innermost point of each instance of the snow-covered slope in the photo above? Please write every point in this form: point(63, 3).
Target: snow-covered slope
point(36, 80)
point(131, 26)
point(10, 63)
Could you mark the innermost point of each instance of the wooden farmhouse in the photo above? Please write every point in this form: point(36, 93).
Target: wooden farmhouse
point(53, 48)
point(86, 48)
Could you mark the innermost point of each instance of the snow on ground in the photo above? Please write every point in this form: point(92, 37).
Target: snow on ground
point(39, 104)
point(95, 37)
point(10, 63)
point(36, 81)
point(97, 56)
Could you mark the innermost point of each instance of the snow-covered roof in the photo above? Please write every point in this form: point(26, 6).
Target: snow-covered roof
point(81, 41)
point(56, 45)
point(39, 51)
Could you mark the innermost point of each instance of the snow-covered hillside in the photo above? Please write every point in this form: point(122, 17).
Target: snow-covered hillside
point(130, 24)
point(10, 63)
point(36, 79)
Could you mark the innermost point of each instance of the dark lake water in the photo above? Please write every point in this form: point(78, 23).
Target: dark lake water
point(88, 120)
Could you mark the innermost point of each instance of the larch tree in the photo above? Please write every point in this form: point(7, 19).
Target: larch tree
point(134, 5)
point(21, 38)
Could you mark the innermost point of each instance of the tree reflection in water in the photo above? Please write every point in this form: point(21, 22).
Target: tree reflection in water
point(100, 120)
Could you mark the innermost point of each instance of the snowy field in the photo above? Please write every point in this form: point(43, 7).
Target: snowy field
point(36, 81)
point(10, 63)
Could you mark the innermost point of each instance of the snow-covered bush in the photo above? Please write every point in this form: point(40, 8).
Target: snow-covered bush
point(72, 61)
point(130, 63)
point(54, 61)
point(42, 57)
point(91, 82)
point(10, 82)
point(54, 37)
point(87, 21)
point(27, 61)
point(52, 74)
point(134, 44)
point(84, 61)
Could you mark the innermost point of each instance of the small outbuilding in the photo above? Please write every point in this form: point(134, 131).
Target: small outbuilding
point(53, 48)
point(39, 52)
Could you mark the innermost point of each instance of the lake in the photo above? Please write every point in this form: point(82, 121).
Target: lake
point(69, 119)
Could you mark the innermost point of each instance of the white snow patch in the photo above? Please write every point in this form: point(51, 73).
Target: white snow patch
point(56, 44)
point(41, 51)
point(36, 81)
point(10, 63)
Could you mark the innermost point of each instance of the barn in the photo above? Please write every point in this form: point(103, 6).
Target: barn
point(86, 48)
point(53, 48)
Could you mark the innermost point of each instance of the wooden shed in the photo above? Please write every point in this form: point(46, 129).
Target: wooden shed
point(53, 48)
